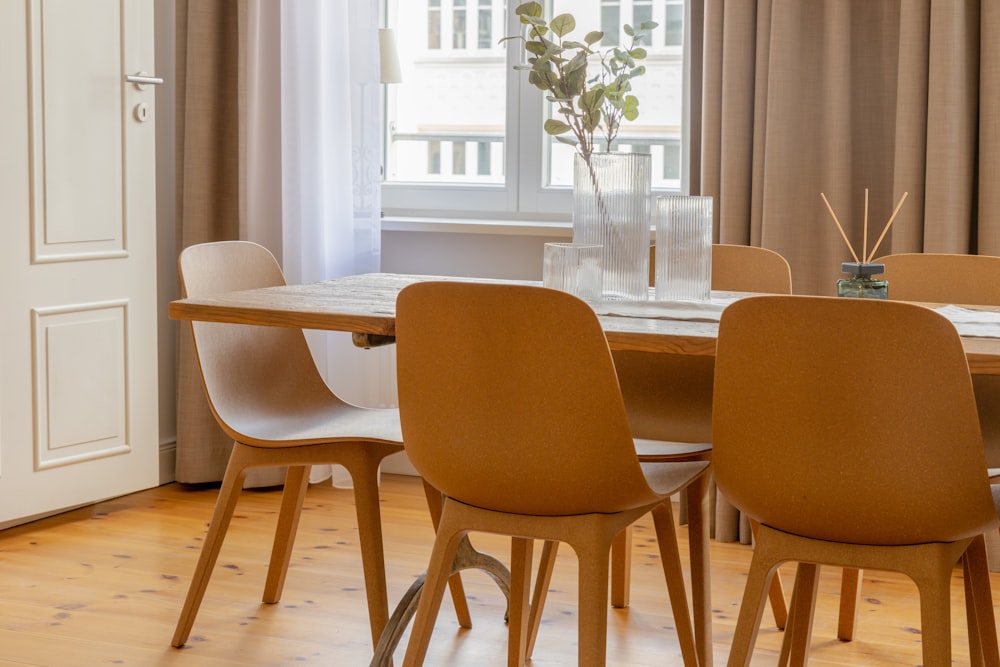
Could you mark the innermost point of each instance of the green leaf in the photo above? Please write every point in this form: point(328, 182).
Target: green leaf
point(563, 24)
point(594, 37)
point(536, 48)
point(555, 127)
point(638, 71)
point(628, 30)
point(638, 53)
point(648, 25)
point(631, 109)
point(569, 141)
point(529, 9)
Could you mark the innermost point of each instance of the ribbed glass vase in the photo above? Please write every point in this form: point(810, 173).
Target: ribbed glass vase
point(683, 248)
point(611, 199)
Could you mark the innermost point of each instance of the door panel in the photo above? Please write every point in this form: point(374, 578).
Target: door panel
point(78, 384)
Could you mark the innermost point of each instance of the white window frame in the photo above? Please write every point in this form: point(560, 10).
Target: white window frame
point(522, 196)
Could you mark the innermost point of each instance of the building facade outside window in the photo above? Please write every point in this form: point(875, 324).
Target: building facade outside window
point(463, 131)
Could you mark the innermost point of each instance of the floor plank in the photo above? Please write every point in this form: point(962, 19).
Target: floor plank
point(103, 585)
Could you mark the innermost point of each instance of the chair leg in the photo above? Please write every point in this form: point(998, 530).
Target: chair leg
point(546, 563)
point(850, 596)
point(762, 569)
point(775, 592)
point(229, 493)
point(592, 582)
point(666, 538)
point(458, 598)
point(520, 591)
point(935, 619)
point(699, 522)
point(366, 501)
point(442, 557)
point(621, 568)
point(798, 631)
point(982, 622)
point(296, 483)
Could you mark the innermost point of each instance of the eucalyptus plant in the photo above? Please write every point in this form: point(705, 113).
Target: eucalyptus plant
point(558, 65)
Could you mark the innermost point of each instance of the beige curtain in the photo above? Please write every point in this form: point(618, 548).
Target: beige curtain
point(895, 96)
point(211, 178)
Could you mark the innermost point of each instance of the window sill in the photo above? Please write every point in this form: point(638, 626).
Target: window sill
point(473, 226)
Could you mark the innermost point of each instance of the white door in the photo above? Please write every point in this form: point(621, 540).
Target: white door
point(78, 382)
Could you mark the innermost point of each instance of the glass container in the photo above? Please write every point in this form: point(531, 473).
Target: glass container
point(862, 284)
point(611, 197)
point(683, 248)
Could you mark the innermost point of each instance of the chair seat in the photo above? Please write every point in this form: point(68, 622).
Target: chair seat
point(335, 422)
point(663, 451)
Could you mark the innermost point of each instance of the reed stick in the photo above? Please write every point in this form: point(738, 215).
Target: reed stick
point(841, 229)
point(864, 239)
point(887, 226)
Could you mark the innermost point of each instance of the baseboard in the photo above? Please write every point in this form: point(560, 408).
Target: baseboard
point(168, 462)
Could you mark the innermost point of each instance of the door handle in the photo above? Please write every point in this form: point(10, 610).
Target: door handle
point(141, 79)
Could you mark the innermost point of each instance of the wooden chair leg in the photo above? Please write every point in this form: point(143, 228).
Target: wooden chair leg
point(229, 493)
point(458, 598)
point(520, 591)
point(699, 522)
point(592, 583)
point(366, 502)
point(798, 631)
point(775, 592)
point(983, 649)
point(751, 608)
point(666, 538)
point(935, 619)
point(546, 563)
point(621, 568)
point(296, 483)
point(850, 596)
point(442, 558)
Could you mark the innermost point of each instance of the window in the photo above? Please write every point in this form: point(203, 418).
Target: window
point(463, 131)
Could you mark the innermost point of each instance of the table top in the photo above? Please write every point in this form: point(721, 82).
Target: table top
point(365, 305)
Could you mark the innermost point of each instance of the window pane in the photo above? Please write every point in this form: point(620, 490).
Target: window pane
point(458, 25)
point(485, 24)
point(659, 91)
point(610, 22)
point(446, 124)
point(450, 95)
point(674, 24)
point(434, 28)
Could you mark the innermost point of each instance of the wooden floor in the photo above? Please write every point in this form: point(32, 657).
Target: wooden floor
point(103, 586)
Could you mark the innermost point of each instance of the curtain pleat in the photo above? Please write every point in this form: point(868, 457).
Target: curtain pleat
point(839, 97)
point(211, 177)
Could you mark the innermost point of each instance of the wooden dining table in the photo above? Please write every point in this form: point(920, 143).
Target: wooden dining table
point(365, 306)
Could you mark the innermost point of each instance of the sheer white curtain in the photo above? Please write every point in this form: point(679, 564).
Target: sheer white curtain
point(313, 160)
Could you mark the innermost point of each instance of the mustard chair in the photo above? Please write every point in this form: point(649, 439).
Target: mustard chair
point(266, 393)
point(971, 280)
point(510, 407)
point(881, 459)
point(668, 397)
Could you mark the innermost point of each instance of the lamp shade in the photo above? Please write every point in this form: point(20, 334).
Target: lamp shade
point(388, 57)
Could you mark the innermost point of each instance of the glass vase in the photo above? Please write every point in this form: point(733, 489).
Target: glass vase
point(611, 196)
point(683, 248)
point(861, 284)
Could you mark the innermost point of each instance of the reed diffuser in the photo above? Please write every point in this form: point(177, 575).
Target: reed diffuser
point(862, 284)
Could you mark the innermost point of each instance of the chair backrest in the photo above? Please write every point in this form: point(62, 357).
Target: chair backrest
point(251, 373)
point(742, 268)
point(508, 400)
point(848, 420)
point(943, 278)
point(669, 396)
